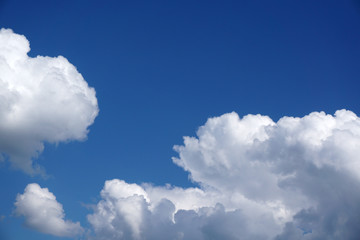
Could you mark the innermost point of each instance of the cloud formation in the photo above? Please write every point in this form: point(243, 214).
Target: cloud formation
point(43, 213)
point(42, 99)
point(307, 169)
point(140, 214)
point(297, 178)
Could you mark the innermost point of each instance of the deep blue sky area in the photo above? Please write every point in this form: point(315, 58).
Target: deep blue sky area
point(162, 68)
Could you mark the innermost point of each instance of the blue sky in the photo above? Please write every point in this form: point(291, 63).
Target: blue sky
point(160, 69)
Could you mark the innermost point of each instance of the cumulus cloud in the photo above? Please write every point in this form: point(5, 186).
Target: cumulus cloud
point(136, 215)
point(42, 99)
point(297, 178)
point(43, 213)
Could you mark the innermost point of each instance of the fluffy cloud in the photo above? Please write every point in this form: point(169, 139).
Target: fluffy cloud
point(139, 214)
point(43, 213)
point(121, 212)
point(297, 178)
point(42, 99)
point(308, 168)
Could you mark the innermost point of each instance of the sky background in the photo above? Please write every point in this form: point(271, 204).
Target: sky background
point(162, 68)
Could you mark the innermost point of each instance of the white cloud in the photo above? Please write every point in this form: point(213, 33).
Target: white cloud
point(42, 99)
point(43, 213)
point(121, 212)
point(136, 215)
point(297, 178)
